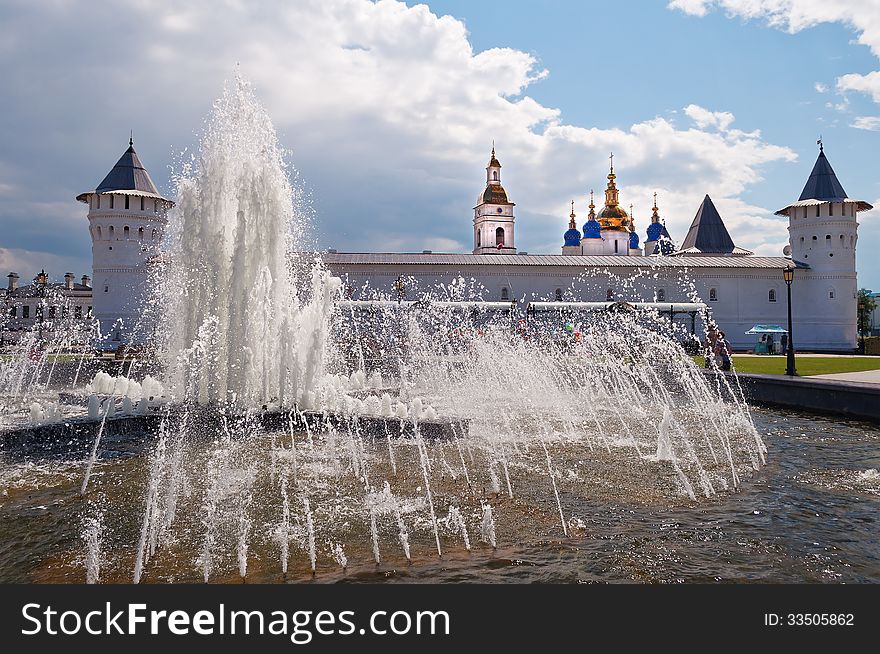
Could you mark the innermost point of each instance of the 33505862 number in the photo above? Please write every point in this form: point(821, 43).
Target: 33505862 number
point(820, 619)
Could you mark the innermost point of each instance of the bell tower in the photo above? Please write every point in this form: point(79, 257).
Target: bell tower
point(493, 215)
point(127, 220)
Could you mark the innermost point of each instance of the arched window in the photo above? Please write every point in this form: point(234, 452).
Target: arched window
point(126, 202)
point(125, 231)
point(559, 295)
point(771, 295)
point(111, 201)
point(817, 211)
point(98, 228)
point(99, 202)
point(802, 240)
point(106, 289)
point(494, 175)
point(609, 295)
point(141, 233)
point(110, 233)
point(479, 244)
point(142, 203)
point(661, 294)
point(505, 294)
point(713, 295)
point(499, 237)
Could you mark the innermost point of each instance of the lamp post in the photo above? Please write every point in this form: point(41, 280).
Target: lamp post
point(788, 276)
point(42, 280)
point(400, 287)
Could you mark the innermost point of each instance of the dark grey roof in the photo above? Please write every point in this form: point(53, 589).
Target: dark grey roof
point(546, 260)
point(128, 174)
point(708, 233)
point(823, 183)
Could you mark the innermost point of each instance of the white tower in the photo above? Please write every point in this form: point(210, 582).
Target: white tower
point(493, 215)
point(127, 219)
point(823, 231)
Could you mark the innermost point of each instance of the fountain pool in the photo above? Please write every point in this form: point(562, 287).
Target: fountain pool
point(437, 440)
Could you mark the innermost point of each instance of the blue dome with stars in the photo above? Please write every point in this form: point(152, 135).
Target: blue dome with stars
point(633, 241)
point(654, 231)
point(592, 229)
point(572, 237)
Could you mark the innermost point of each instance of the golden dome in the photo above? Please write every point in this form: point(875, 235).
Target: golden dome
point(613, 216)
point(495, 194)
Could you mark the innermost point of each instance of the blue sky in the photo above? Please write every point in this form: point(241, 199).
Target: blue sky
point(389, 110)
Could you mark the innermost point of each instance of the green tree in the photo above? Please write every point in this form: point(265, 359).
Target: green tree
point(867, 304)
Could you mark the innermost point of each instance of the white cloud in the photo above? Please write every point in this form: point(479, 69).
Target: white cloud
point(871, 123)
point(868, 84)
point(705, 118)
point(863, 16)
point(389, 111)
point(820, 88)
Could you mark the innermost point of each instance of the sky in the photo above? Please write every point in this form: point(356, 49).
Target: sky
point(389, 109)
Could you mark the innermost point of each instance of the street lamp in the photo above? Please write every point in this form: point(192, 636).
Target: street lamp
point(42, 279)
point(788, 276)
point(400, 287)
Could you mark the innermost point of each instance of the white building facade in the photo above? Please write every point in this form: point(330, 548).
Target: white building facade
point(604, 262)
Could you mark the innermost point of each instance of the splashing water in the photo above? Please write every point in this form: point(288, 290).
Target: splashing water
point(238, 328)
point(251, 323)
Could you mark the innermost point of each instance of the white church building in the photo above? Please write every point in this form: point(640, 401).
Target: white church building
point(602, 261)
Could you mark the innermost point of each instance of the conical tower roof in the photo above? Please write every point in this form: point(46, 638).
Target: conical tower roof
point(708, 234)
point(823, 186)
point(128, 175)
point(823, 183)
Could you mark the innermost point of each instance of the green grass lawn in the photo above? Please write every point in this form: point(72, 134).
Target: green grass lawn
point(806, 366)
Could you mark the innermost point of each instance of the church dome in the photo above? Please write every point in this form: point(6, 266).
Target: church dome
point(494, 194)
point(613, 216)
point(655, 229)
point(572, 237)
point(633, 241)
point(592, 228)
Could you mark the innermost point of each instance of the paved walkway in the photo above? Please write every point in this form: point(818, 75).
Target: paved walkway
point(866, 376)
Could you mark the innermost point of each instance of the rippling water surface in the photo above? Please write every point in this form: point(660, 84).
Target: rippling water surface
point(810, 515)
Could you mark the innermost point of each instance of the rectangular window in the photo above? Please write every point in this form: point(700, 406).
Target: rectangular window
point(25, 311)
point(51, 312)
point(111, 201)
point(77, 312)
point(142, 204)
point(64, 311)
point(830, 208)
point(126, 202)
point(13, 312)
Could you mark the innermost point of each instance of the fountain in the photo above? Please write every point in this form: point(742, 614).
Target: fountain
point(287, 434)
